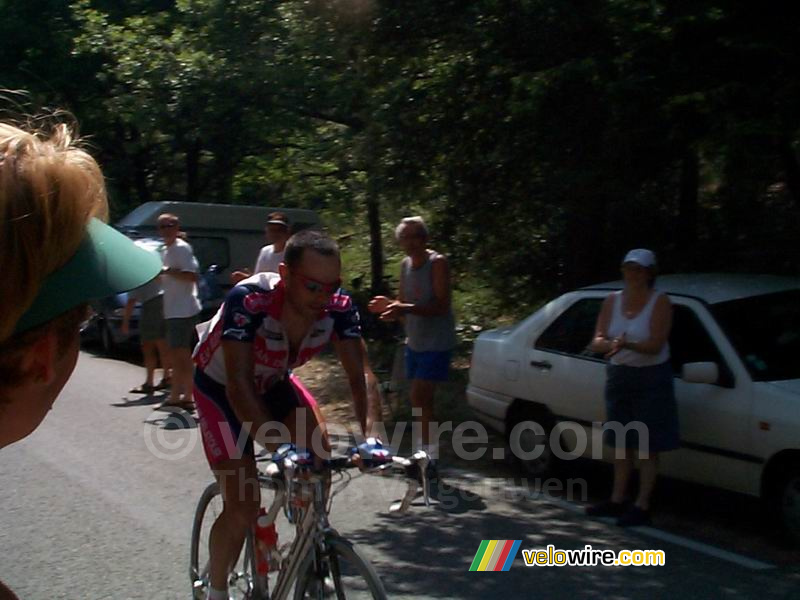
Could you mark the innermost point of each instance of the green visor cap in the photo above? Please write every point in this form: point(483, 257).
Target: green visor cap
point(105, 263)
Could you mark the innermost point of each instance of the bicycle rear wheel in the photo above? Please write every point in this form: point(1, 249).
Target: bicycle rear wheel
point(337, 570)
point(242, 579)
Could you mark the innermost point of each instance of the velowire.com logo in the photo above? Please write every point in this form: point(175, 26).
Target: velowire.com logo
point(495, 555)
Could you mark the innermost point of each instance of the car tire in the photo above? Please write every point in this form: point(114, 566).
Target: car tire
point(107, 339)
point(524, 435)
point(787, 499)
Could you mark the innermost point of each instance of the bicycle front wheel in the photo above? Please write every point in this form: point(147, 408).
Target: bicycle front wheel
point(242, 578)
point(338, 570)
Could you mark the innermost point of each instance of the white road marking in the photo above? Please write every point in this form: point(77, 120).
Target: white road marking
point(678, 540)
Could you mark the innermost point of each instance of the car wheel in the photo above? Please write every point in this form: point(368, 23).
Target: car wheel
point(529, 442)
point(107, 339)
point(789, 504)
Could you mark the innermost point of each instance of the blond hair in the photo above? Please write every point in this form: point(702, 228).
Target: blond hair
point(49, 190)
point(417, 222)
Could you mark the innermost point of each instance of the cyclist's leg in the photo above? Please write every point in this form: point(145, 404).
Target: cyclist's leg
point(230, 454)
point(238, 482)
point(306, 419)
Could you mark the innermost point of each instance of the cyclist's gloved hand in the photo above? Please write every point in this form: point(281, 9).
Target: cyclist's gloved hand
point(298, 456)
point(372, 452)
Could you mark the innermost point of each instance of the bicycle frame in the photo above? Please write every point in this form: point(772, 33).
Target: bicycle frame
point(311, 530)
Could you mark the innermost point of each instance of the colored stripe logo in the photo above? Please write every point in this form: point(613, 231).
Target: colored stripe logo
point(495, 555)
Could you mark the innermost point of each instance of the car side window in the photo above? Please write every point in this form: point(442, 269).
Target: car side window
point(689, 341)
point(571, 332)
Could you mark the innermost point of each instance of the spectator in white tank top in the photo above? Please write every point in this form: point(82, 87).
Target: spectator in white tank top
point(632, 332)
point(277, 233)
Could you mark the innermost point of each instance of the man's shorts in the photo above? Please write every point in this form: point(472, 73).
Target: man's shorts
point(151, 320)
point(180, 332)
point(431, 366)
point(222, 432)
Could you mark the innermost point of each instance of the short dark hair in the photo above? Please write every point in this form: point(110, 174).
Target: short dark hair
point(310, 239)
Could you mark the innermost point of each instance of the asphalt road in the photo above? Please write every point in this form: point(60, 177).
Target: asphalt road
point(98, 504)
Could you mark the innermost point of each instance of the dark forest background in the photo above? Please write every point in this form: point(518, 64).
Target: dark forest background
point(541, 138)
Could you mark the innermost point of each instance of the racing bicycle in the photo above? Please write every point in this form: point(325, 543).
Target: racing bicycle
point(319, 562)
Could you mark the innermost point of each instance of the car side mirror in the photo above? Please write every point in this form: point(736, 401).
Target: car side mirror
point(700, 372)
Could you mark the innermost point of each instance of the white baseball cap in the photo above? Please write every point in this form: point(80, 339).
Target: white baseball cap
point(641, 256)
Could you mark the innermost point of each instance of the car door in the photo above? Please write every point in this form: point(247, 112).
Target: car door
point(562, 374)
point(714, 418)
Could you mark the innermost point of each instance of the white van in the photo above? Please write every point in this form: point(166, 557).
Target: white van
point(225, 238)
point(226, 235)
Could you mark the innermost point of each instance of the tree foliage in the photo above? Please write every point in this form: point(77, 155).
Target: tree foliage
point(542, 138)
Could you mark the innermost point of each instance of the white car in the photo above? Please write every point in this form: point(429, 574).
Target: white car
point(735, 347)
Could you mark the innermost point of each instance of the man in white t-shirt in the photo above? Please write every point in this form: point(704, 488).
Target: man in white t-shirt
point(270, 256)
point(181, 307)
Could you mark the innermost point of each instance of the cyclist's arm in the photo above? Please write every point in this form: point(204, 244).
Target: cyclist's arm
point(240, 386)
point(350, 355)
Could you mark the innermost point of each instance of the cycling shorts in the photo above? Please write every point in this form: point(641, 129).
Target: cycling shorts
point(223, 435)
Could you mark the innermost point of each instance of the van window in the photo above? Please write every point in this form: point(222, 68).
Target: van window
point(210, 251)
point(573, 330)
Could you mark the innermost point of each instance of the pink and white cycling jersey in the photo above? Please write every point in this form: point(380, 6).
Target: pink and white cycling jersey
point(251, 313)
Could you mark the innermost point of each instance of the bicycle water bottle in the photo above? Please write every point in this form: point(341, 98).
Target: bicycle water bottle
point(266, 544)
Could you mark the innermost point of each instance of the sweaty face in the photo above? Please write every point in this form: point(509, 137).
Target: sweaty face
point(310, 285)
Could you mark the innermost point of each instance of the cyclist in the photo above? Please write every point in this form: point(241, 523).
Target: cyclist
point(268, 324)
point(56, 255)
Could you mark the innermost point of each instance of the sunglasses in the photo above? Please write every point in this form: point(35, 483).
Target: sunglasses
point(315, 287)
point(167, 225)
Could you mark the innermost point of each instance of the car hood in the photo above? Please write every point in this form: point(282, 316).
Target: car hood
point(788, 385)
point(497, 334)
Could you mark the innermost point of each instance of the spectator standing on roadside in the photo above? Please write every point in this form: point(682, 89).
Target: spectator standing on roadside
point(152, 333)
point(424, 306)
point(633, 331)
point(271, 255)
point(179, 278)
point(56, 254)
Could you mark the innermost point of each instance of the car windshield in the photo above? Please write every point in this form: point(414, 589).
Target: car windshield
point(765, 330)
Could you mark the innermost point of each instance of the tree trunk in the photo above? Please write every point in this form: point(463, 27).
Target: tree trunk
point(375, 242)
point(792, 169)
point(584, 253)
point(686, 235)
point(193, 170)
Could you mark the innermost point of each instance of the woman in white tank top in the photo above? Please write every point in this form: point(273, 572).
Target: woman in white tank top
point(632, 332)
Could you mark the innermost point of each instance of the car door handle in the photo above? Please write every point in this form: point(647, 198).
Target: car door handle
point(541, 364)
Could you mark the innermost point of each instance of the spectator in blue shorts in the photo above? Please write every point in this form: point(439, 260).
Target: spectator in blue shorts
point(424, 307)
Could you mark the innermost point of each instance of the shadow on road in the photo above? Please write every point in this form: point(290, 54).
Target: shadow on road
point(174, 418)
point(144, 400)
